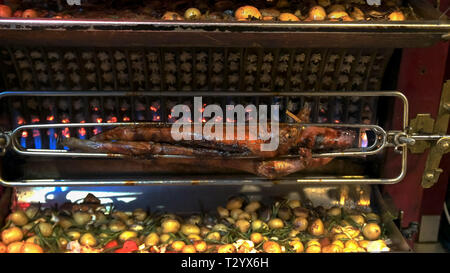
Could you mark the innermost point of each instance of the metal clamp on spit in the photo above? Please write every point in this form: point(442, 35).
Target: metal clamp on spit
point(5, 141)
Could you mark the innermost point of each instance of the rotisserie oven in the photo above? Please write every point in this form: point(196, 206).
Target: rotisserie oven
point(222, 126)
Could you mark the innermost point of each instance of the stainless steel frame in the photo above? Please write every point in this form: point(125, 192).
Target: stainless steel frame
point(399, 144)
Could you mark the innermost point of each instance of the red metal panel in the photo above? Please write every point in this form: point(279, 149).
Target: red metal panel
point(421, 76)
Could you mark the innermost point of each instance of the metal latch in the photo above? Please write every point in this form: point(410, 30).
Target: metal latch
point(429, 133)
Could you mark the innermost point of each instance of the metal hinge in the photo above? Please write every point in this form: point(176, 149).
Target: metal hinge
point(427, 132)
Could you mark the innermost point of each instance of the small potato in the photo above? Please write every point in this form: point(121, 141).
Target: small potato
point(215, 236)
point(121, 215)
point(228, 248)
point(170, 226)
point(243, 225)
point(194, 237)
point(65, 222)
point(336, 15)
point(256, 237)
point(258, 225)
point(363, 243)
point(334, 212)
point(317, 13)
point(29, 13)
point(300, 223)
point(171, 16)
point(74, 235)
point(297, 246)
point(235, 213)
point(358, 219)
point(294, 204)
point(338, 243)
point(223, 212)
point(288, 17)
point(276, 223)
point(252, 206)
point(152, 239)
point(332, 249)
point(127, 235)
point(15, 247)
point(372, 217)
point(81, 218)
point(3, 248)
point(5, 11)
point(192, 14)
point(88, 239)
point(188, 229)
point(12, 234)
point(200, 246)
point(247, 13)
point(313, 249)
point(293, 233)
point(19, 218)
point(313, 242)
point(244, 216)
point(271, 247)
point(352, 244)
point(178, 245)
point(139, 214)
point(235, 203)
point(32, 212)
point(188, 249)
point(396, 16)
point(116, 226)
point(285, 213)
point(46, 229)
point(371, 231)
point(166, 238)
point(301, 212)
point(195, 220)
point(316, 228)
point(32, 248)
point(204, 231)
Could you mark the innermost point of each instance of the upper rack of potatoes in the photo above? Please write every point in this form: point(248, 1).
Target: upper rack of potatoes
point(240, 226)
point(222, 10)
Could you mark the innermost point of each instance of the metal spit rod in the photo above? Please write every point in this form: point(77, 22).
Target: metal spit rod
point(376, 147)
point(400, 146)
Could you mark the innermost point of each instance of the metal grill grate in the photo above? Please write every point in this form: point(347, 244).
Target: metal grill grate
point(187, 69)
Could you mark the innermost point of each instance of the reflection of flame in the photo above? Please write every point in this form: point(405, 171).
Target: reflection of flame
point(364, 202)
point(34, 120)
point(24, 134)
point(36, 133)
point(66, 120)
point(20, 120)
point(337, 121)
point(153, 108)
point(96, 131)
point(111, 120)
point(364, 141)
point(99, 120)
point(50, 118)
point(342, 200)
point(126, 118)
point(66, 132)
point(82, 131)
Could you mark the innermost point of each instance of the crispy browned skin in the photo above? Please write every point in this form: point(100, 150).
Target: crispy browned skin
point(291, 138)
point(136, 148)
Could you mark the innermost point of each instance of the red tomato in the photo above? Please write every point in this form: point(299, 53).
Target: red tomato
point(111, 244)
